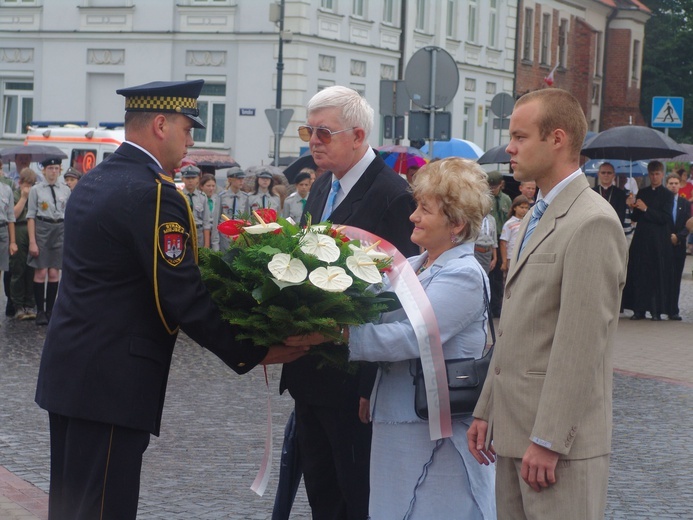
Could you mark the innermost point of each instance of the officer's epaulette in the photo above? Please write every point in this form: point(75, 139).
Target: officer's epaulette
point(166, 178)
point(160, 174)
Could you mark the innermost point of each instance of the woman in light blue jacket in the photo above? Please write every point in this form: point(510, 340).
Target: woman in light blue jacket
point(411, 476)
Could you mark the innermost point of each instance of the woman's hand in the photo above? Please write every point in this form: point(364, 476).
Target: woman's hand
point(304, 340)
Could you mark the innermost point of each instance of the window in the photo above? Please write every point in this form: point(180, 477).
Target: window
point(562, 43)
point(493, 24)
point(468, 128)
point(421, 15)
point(451, 20)
point(545, 39)
point(209, 2)
point(357, 8)
point(389, 11)
point(17, 106)
point(212, 106)
point(471, 22)
point(15, 3)
point(598, 54)
point(327, 4)
point(83, 159)
point(527, 35)
point(635, 65)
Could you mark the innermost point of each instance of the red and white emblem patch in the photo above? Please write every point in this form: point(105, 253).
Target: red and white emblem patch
point(172, 238)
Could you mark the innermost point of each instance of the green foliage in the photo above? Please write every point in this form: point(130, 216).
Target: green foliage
point(667, 68)
point(248, 297)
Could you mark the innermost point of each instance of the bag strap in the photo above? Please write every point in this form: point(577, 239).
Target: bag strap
point(490, 316)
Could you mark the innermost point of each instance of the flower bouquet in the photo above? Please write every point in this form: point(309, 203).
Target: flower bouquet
point(278, 279)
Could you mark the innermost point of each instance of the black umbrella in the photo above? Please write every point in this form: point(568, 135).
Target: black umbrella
point(631, 143)
point(38, 152)
point(496, 155)
point(209, 159)
point(305, 161)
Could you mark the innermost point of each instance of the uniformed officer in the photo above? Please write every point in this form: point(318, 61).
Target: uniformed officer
point(198, 202)
point(295, 203)
point(72, 177)
point(130, 283)
point(22, 279)
point(263, 196)
point(45, 226)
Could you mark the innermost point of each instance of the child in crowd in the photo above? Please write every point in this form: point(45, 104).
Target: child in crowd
point(263, 196)
point(518, 210)
point(296, 202)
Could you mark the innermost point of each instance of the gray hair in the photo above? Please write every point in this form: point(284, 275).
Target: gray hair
point(355, 110)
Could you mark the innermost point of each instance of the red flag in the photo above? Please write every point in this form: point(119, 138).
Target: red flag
point(549, 79)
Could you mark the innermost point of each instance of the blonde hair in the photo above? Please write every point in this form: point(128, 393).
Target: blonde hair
point(27, 176)
point(461, 190)
point(559, 109)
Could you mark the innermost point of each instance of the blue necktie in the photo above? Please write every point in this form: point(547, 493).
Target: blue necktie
point(539, 209)
point(673, 214)
point(330, 200)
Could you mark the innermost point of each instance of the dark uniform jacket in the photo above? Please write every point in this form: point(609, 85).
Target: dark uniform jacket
point(616, 197)
point(130, 282)
point(379, 203)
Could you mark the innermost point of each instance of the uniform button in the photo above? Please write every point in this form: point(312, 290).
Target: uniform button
point(241, 364)
point(497, 370)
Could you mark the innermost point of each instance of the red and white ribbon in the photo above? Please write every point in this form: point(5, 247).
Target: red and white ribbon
point(263, 474)
point(418, 308)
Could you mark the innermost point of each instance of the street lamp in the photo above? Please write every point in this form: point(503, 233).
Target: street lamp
point(277, 16)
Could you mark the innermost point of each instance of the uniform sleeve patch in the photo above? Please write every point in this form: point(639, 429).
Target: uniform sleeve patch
point(172, 239)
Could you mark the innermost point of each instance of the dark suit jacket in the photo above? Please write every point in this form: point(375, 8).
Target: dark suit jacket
point(683, 213)
point(130, 281)
point(380, 202)
point(617, 198)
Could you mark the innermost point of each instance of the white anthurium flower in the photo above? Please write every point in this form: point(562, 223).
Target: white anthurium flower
point(363, 266)
point(259, 229)
point(287, 269)
point(322, 246)
point(331, 279)
point(318, 228)
point(371, 251)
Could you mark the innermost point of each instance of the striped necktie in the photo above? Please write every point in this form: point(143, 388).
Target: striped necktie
point(539, 209)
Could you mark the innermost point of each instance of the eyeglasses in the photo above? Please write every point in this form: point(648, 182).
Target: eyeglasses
point(306, 132)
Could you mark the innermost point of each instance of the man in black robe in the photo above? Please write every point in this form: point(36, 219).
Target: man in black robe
point(649, 261)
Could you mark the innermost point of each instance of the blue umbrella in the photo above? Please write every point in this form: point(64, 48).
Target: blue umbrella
point(454, 148)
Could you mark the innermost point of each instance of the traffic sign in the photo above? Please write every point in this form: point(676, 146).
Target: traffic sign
point(432, 78)
point(667, 112)
point(279, 119)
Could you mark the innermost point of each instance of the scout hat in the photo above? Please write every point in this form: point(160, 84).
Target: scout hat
point(494, 178)
point(235, 173)
point(264, 174)
point(51, 161)
point(73, 172)
point(178, 97)
point(190, 171)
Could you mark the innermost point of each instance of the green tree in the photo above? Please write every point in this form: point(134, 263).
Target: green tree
point(667, 68)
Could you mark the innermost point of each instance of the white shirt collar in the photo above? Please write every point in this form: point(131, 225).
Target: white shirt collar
point(147, 152)
point(351, 177)
point(550, 196)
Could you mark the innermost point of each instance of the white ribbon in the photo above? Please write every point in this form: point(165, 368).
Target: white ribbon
point(263, 474)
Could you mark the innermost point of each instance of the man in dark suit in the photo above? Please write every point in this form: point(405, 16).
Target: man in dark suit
point(681, 212)
point(130, 282)
point(358, 189)
point(607, 189)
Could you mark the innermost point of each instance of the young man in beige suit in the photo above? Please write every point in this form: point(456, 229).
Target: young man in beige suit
point(545, 412)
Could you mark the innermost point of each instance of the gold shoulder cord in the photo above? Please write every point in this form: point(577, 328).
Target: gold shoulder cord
point(193, 227)
point(170, 330)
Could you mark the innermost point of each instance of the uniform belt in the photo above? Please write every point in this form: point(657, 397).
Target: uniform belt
point(481, 249)
point(3, 224)
point(20, 223)
point(51, 220)
point(198, 226)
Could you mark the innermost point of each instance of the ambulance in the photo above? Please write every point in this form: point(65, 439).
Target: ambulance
point(84, 146)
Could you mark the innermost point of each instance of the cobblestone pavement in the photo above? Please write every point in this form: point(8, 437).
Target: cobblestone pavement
point(214, 424)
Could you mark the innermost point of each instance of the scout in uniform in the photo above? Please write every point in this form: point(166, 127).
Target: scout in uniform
point(47, 202)
point(198, 204)
point(263, 196)
point(22, 280)
point(130, 283)
point(296, 202)
point(233, 201)
point(72, 177)
point(8, 244)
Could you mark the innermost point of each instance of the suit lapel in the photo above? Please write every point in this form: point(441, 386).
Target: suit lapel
point(557, 209)
point(346, 208)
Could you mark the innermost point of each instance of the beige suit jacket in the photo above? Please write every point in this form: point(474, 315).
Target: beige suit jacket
point(550, 380)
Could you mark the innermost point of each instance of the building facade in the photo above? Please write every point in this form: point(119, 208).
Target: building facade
point(592, 48)
point(63, 60)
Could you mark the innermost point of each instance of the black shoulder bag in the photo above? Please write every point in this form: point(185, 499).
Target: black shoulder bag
point(466, 378)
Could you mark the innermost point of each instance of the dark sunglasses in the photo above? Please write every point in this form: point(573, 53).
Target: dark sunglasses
point(305, 132)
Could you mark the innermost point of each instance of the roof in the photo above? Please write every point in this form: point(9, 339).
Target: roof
point(627, 4)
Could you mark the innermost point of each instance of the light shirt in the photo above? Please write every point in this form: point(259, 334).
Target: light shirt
point(149, 154)
point(351, 177)
point(550, 196)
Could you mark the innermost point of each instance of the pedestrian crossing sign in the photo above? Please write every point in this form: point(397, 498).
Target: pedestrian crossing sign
point(667, 112)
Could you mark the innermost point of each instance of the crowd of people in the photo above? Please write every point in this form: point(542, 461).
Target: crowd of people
point(543, 422)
